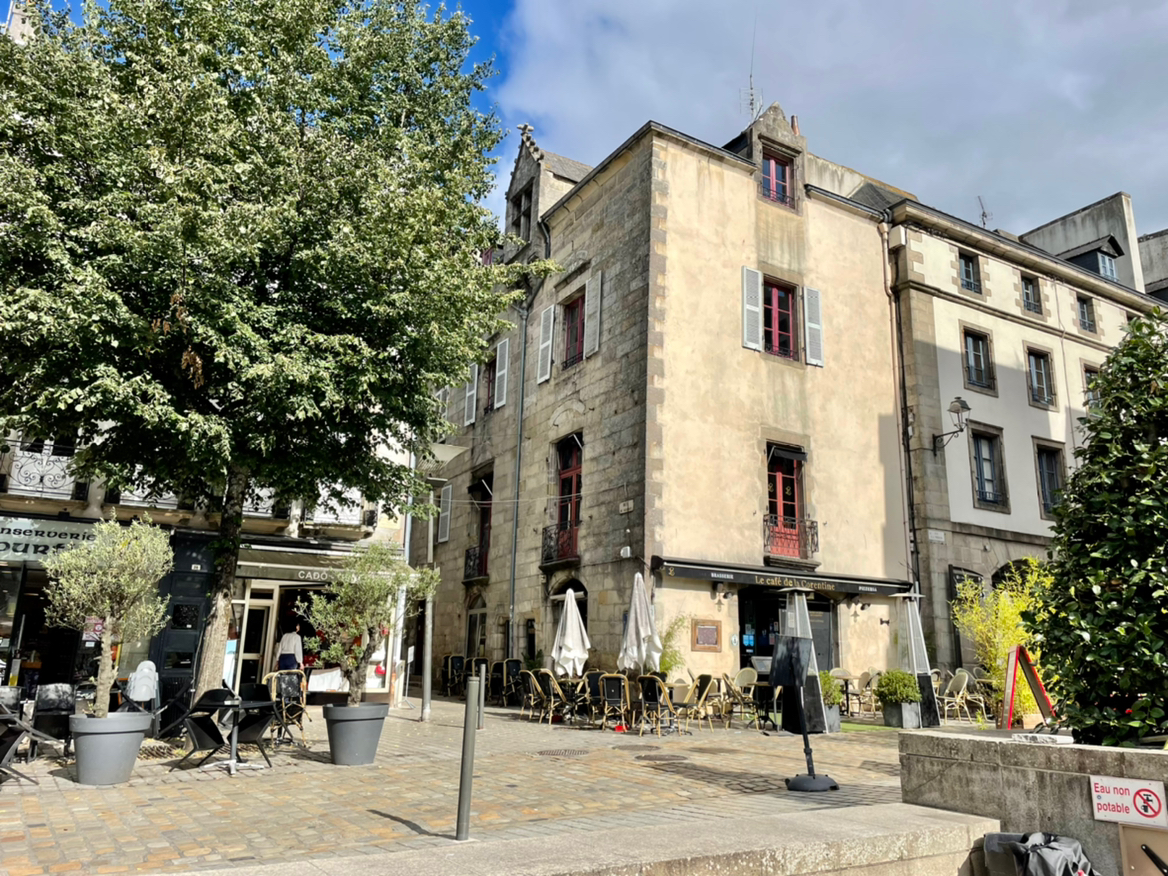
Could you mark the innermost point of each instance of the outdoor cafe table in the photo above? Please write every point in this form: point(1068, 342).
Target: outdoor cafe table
point(239, 708)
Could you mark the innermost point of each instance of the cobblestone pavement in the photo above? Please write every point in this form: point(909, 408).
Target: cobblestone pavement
point(530, 780)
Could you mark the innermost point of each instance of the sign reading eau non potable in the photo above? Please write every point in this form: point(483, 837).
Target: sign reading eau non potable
point(1128, 801)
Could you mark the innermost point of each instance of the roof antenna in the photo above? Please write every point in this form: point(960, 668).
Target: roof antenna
point(749, 99)
point(986, 216)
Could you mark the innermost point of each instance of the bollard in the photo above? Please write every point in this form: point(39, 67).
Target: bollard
point(462, 831)
point(482, 697)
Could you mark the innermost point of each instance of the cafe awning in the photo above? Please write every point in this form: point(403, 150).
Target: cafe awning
point(769, 576)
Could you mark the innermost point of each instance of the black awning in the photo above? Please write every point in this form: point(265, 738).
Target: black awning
point(787, 453)
point(769, 576)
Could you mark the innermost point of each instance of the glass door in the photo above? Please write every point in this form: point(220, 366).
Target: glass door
point(254, 648)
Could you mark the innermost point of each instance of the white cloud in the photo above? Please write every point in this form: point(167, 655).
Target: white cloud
point(1040, 107)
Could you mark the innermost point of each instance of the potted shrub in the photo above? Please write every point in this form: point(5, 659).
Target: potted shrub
point(833, 695)
point(900, 698)
point(111, 582)
point(352, 615)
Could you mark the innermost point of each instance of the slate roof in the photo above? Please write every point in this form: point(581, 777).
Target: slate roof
point(565, 167)
point(876, 197)
point(1108, 245)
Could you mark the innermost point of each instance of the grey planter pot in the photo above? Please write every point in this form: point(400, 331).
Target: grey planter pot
point(904, 715)
point(833, 718)
point(106, 748)
point(354, 731)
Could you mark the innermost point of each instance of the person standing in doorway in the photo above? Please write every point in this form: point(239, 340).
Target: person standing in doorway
point(291, 651)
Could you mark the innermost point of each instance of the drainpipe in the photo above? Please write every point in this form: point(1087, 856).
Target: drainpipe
point(906, 502)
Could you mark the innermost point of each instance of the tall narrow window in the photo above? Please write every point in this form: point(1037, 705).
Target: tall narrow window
point(978, 372)
point(1090, 393)
point(1041, 389)
point(1031, 298)
point(574, 332)
point(985, 465)
point(787, 533)
point(521, 214)
point(570, 452)
point(1050, 477)
point(970, 275)
point(1086, 314)
point(780, 329)
point(1107, 267)
point(776, 179)
point(490, 373)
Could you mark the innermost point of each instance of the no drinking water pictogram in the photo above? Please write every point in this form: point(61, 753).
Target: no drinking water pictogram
point(1147, 803)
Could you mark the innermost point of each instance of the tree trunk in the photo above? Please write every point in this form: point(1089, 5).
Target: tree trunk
point(105, 671)
point(214, 645)
point(360, 671)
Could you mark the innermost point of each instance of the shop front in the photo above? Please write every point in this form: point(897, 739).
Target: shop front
point(852, 618)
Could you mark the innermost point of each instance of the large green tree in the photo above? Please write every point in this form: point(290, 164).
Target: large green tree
point(1103, 619)
point(240, 246)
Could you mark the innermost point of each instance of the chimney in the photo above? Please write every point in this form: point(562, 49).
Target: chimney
point(795, 125)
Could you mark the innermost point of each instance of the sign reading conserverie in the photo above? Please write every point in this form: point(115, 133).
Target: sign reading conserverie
point(1128, 801)
point(29, 540)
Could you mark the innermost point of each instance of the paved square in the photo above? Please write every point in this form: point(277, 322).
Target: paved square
point(530, 780)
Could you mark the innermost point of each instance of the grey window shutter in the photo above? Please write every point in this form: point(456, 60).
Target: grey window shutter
point(592, 295)
point(502, 356)
point(547, 324)
point(472, 396)
point(813, 325)
point(751, 309)
point(444, 513)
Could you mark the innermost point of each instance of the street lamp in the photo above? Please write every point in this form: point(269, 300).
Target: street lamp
point(959, 408)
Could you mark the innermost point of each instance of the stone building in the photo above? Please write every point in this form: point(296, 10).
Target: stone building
point(1001, 336)
point(707, 393)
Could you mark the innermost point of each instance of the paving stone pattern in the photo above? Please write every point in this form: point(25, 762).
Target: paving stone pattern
point(306, 807)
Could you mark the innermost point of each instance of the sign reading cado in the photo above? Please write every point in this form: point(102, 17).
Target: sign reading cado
point(25, 539)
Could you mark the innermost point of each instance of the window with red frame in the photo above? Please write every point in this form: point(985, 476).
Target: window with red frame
point(491, 370)
point(784, 500)
point(780, 337)
point(776, 178)
point(569, 453)
point(573, 332)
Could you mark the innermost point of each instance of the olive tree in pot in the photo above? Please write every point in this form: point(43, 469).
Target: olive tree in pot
point(833, 695)
point(352, 615)
point(112, 579)
point(900, 698)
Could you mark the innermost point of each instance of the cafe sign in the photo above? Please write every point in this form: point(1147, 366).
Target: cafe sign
point(773, 578)
point(24, 539)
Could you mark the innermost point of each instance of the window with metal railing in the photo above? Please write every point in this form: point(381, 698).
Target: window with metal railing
point(1039, 375)
point(776, 179)
point(970, 273)
point(1031, 297)
point(978, 367)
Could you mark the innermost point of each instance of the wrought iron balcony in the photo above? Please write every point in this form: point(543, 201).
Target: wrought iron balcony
point(329, 512)
point(475, 566)
point(560, 545)
point(790, 537)
point(142, 498)
point(40, 469)
point(780, 194)
point(782, 350)
point(990, 497)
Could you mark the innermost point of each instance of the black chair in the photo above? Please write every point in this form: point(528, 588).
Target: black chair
point(454, 675)
point(202, 726)
point(54, 705)
point(593, 699)
point(254, 690)
point(253, 724)
point(615, 696)
point(497, 682)
point(656, 707)
point(11, 735)
point(512, 683)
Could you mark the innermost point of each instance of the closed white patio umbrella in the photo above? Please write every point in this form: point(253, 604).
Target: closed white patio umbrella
point(641, 646)
point(572, 643)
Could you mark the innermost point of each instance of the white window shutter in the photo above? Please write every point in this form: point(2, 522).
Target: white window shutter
point(444, 513)
point(751, 309)
point(443, 396)
point(502, 357)
point(547, 324)
point(472, 396)
point(813, 326)
point(592, 296)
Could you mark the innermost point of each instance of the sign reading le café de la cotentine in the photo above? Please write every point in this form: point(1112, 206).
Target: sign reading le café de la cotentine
point(25, 539)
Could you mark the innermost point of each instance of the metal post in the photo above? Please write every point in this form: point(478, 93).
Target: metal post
point(462, 831)
point(482, 696)
point(427, 659)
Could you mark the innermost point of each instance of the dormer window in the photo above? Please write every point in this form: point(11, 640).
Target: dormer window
point(521, 214)
point(776, 178)
point(1107, 266)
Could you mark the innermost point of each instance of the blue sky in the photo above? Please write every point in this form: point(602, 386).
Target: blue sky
point(1037, 106)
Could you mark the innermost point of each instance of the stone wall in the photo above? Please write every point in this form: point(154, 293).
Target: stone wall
point(1027, 786)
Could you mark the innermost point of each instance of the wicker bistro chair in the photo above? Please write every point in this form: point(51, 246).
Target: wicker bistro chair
point(953, 697)
point(738, 700)
point(973, 696)
point(288, 690)
point(655, 704)
point(496, 682)
point(614, 689)
point(591, 697)
point(558, 702)
point(698, 704)
point(534, 701)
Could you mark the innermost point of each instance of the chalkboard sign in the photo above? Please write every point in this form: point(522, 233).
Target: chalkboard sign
point(789, 665)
